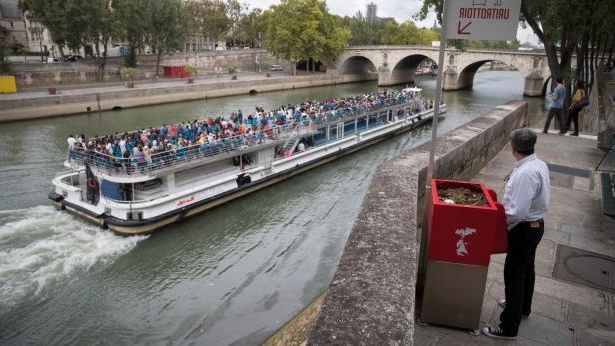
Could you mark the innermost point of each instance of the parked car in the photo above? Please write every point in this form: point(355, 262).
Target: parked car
point(53, 60)
point(72, 58)
point(276, 67)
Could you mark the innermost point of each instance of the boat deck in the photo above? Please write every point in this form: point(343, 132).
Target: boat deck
point(165, 162)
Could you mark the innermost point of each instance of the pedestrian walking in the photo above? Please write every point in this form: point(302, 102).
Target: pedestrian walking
point(578, 102)
point(526, 200)
point(556, 107)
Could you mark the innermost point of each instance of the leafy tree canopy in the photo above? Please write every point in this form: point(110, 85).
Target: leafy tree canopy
point(303, 29)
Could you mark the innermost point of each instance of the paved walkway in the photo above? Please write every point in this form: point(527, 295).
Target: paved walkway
point(564, 312)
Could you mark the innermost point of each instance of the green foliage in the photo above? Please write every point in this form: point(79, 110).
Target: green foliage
point(76, 23)
point(209, 18)
point(252, 27)
point(367, 32)
point(363, 31)
point(133, 19)
point(127, 72)
point(303, 29)
point(193, 70)
point(234, 11)
point(429, 35)
point(166, 28)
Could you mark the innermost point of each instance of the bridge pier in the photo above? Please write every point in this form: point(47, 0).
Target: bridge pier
point(455, 81)
point(534, 83)
point(401, 75)
point(449, 79)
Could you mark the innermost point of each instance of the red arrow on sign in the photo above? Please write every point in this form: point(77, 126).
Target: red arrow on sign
point(460, 30)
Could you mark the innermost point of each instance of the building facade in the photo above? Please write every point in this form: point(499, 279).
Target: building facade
point(12, 20)
point(372, 10)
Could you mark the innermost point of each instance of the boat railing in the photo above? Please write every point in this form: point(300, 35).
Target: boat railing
point(160, 162)
point(355, 111)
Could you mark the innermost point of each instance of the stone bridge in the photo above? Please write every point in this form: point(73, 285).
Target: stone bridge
point(398, 64)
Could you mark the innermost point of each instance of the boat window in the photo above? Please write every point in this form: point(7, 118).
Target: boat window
point(332, 131)
point(148, 185)
point(349, 128)
point(320, 137)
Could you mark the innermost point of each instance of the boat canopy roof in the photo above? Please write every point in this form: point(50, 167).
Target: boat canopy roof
point(412, 90)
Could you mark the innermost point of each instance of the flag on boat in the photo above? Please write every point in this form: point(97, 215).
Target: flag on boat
point(92, 193)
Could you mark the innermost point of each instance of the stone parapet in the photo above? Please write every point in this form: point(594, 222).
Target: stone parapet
point(371, 299)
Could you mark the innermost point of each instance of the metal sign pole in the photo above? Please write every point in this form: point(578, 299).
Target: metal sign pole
point(436, 111)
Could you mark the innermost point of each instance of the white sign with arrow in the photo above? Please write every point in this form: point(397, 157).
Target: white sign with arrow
point(483, 19)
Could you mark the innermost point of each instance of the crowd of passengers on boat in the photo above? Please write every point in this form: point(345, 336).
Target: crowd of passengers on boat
point(169, 143)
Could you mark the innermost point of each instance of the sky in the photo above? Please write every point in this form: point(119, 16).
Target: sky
point(401, 10)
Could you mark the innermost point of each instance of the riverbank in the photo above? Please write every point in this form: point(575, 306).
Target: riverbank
point(79, 99)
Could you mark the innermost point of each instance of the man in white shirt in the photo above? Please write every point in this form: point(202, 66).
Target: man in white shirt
point(71, 141)
point(526, 201)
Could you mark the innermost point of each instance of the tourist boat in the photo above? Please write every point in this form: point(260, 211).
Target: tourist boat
point(130, 197)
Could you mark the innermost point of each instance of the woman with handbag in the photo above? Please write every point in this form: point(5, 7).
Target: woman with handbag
point(579, 101)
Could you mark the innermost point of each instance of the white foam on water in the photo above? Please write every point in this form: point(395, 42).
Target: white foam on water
point(41, 248)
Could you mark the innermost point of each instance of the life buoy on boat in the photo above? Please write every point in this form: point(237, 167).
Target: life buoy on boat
point(92, 183)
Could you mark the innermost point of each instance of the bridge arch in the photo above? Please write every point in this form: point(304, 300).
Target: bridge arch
point(357, 65)
point(462, 67)
point(397, 65)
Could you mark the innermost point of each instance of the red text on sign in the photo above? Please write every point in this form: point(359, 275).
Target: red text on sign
point(484, 13)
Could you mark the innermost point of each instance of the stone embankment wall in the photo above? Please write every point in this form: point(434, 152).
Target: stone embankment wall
point(371, 298)
point(90, 100)
point(37, 74)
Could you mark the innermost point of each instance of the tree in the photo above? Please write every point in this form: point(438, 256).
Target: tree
point(76, 23)
point(133, 25)
point(300, 29)
point(252, 27)
point(337, 37)
point(166, 27)
point(5, 65)
point(233, 11)
point(429, 35)
point(103, 26)
point(363, 31)
point(210, 18)
point(405, 34)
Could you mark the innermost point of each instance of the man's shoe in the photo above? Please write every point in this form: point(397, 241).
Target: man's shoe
point(573, 134)
point(498, 333)
point(502, 304)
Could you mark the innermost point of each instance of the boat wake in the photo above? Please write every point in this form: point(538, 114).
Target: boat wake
point(42, 248)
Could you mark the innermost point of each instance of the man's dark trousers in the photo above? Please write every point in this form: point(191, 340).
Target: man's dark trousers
point(519, 275)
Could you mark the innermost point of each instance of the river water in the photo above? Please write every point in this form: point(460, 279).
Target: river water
point(230, 276)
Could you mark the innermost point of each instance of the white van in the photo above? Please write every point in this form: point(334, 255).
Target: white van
point(276, 67)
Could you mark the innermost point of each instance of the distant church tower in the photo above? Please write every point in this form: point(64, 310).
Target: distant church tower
point(371, 11)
